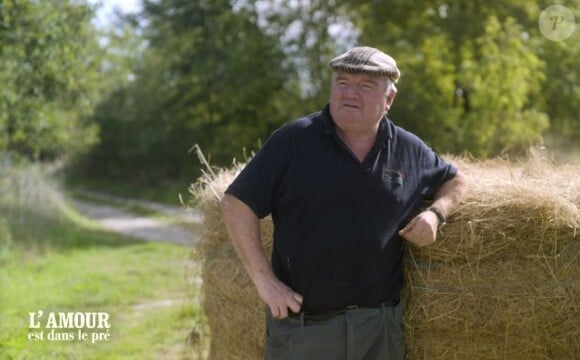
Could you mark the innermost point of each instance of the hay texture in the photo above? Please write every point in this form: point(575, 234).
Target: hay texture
point(234, 312)
point(502, 281)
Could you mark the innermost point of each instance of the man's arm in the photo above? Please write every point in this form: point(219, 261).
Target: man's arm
point(422, 229)
point(244, 230)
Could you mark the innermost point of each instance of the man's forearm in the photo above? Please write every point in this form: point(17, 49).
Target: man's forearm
point(244, 230)
point(450, 194)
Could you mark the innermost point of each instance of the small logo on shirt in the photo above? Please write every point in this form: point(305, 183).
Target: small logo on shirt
point(392, 177)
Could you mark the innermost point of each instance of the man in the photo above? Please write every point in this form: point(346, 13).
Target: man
point(341, 185)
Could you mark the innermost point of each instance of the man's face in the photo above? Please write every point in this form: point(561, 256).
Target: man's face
point(358, 101)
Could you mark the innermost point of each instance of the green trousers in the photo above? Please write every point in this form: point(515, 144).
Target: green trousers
point(361, 334)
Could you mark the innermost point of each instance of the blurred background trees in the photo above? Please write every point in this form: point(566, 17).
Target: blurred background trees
point(49, 61)
point(127, 103)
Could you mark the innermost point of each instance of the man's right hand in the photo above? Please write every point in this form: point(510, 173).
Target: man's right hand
point(278, 297)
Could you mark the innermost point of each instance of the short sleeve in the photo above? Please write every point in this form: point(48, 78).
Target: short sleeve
point(436, 171)
point(259, 183)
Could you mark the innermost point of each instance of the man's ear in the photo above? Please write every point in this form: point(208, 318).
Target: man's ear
point(390, 98)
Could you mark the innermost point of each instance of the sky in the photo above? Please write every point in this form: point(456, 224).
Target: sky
point(105, 14)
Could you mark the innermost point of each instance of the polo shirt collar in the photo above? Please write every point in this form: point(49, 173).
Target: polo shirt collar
point(385, 129)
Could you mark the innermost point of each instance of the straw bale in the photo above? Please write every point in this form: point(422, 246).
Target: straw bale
point(484, 309)
point(504, 325)
point(502, 281)
point(234, 312)
point(510, 210)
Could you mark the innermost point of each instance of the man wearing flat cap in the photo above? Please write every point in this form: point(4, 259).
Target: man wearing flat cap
point(345, 187)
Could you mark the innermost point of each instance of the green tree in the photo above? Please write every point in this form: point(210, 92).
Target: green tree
point(561, 89)
point(504, 79)
point(48, 63)
point(209, 75)
point(225, 74)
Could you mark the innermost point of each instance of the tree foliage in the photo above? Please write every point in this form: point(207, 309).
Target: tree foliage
point(476, 76)
point(48, 63)
point(209, 76)
point(561, 89)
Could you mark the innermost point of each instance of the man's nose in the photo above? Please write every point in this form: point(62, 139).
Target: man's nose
point(352, 91)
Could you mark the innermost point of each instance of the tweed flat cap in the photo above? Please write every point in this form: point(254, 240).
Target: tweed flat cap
point(366, 60)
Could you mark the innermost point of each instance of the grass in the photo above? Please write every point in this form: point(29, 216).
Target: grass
point(52, 261)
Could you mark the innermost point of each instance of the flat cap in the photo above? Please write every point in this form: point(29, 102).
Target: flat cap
point(366, 60)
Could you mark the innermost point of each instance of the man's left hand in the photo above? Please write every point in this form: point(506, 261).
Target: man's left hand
point(422, 229)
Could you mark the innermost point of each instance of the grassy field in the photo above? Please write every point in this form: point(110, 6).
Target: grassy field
point(55, 261)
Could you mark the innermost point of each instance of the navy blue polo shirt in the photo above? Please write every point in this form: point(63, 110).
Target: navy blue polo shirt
point(336, 220)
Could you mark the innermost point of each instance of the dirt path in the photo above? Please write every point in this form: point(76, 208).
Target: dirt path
point(169, 227)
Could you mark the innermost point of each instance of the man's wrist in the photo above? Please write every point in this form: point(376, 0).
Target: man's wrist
point(439, 214)
point(262, 277)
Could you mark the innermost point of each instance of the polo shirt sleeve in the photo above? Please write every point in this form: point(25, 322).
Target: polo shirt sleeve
point(259, 184)
point(436, 172)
